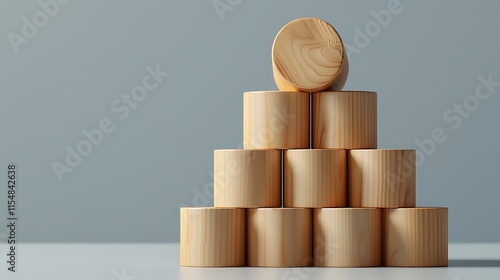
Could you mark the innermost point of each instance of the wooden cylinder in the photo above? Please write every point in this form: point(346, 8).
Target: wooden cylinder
point(308, 55)
point(415, 237)
point(247, 178)
point(344, 119)
point(314, 178)
point(275, 120)
point(347, 237)
point(381, 178)
point(212, 236)
point(279, 237)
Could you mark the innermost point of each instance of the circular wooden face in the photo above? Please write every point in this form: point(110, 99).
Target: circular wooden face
point(308, 55)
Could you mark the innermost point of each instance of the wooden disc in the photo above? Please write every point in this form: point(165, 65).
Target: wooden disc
point(344, 119)
point(415, 237)
point(275, 120)
point(308, 55)
point(381, 178)
point(212, 236)
point(247, 178)
point(314, 178)
point(347, 237)
point(279, 237)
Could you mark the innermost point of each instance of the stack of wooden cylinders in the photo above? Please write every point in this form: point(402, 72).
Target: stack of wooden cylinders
point(310, 187)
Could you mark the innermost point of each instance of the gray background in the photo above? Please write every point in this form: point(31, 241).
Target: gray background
point(130, 187)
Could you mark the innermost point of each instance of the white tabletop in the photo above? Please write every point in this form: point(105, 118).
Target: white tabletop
point(161, 261)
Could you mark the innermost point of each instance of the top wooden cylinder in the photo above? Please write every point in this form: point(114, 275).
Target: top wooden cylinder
point(275, 120)
point(308, 55)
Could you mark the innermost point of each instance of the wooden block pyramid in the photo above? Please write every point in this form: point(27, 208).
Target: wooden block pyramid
point(310, 186)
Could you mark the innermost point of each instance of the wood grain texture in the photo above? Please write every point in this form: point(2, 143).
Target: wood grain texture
point(279, 237)
point(344, 119)
point(415, 237)
point(314, 178)
point(308, 55)
point(347, 237)
point(212, 236)
point(275, 120)
point(381, 178)
point(247, 178)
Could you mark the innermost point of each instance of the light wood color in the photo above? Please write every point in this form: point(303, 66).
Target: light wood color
point(314, 178)
point(279, 237)
point(381, 178)
point(415, 237)
point(212, 237)
point(344, 119)
point(347, 237)
point(275, 120)
point(247, 178)
point(308, 55)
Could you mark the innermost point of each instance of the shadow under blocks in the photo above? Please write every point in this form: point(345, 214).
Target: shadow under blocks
point(473, 263)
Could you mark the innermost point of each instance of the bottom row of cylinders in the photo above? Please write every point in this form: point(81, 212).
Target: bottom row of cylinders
point(334, 237)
